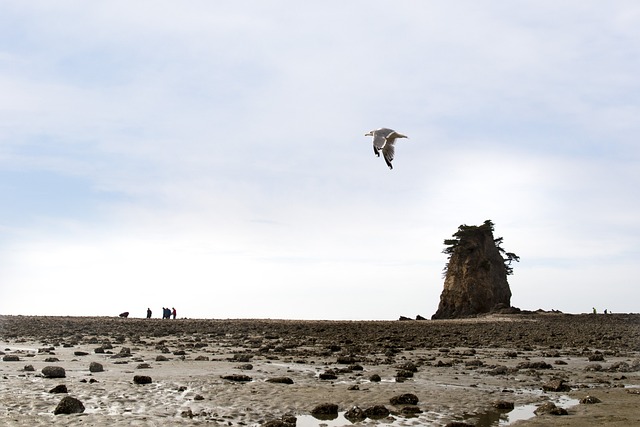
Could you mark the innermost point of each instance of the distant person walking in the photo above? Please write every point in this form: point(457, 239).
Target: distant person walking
point(594, 310)
point(165, 312)
point(148, 313)
point(173, 312)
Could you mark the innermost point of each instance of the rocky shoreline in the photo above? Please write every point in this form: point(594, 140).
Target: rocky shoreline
point(273, 372)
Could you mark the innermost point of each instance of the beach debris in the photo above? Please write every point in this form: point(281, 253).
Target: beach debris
point(69, 405)
point(404, 399)
point(142, 379)
point(95, 367)
point(54, 372)
point(60, 388)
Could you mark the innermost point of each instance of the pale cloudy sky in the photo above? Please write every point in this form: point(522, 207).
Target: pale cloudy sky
point(211, 155)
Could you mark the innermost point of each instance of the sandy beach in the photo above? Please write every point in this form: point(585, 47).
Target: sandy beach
point(265, 372)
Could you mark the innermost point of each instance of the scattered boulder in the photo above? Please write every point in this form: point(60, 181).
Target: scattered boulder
point(408, 366)
point(124, 315)
point(355, 414)
point(242, 357)
point(346, 360)
point(280, 380)
point(328, 376)
point(404, 399)
point(142, 379)
point(80, 353)
point(589, 400)
point(325, 411)
point(29, 368)
point(161, 358)
point(550, 408)
point(534, 365)
point(69, 405)
point(95, 367)
point(287, 420)
point(377, 412)
point(556, 385)
point(245, 367)
point(10, 358)
point(237, 378)
point(60, 388)
point(410, 411)
point(503, 405)
point(54, 372)
point(375, 378)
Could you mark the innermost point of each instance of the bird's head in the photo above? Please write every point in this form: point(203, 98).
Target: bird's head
point(370, 133)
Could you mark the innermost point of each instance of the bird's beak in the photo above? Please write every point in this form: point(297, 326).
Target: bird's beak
point(368, 134)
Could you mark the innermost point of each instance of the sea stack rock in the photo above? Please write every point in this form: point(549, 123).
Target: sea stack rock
point(476, 273)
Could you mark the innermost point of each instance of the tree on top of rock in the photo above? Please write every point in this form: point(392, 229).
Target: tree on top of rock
point(466, 232)
point(476, 273)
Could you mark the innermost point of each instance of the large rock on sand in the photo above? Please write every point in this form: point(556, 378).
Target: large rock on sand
point(53, 372)
point(69, 405)
point(476, 277)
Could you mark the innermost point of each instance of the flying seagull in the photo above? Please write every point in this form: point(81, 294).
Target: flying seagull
point(384, 140)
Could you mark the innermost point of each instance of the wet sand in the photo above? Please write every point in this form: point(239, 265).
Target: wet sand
point(222, 372)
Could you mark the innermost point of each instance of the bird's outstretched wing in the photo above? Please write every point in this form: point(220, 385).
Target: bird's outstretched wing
point(388, 151)
point(379, 141)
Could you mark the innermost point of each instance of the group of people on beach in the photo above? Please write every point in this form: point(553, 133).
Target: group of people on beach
point(167, 313)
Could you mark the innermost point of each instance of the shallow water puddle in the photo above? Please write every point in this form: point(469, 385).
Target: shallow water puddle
point(494, 418)
point(499, 418)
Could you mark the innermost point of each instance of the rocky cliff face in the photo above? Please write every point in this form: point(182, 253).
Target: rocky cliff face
point(476, 275)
